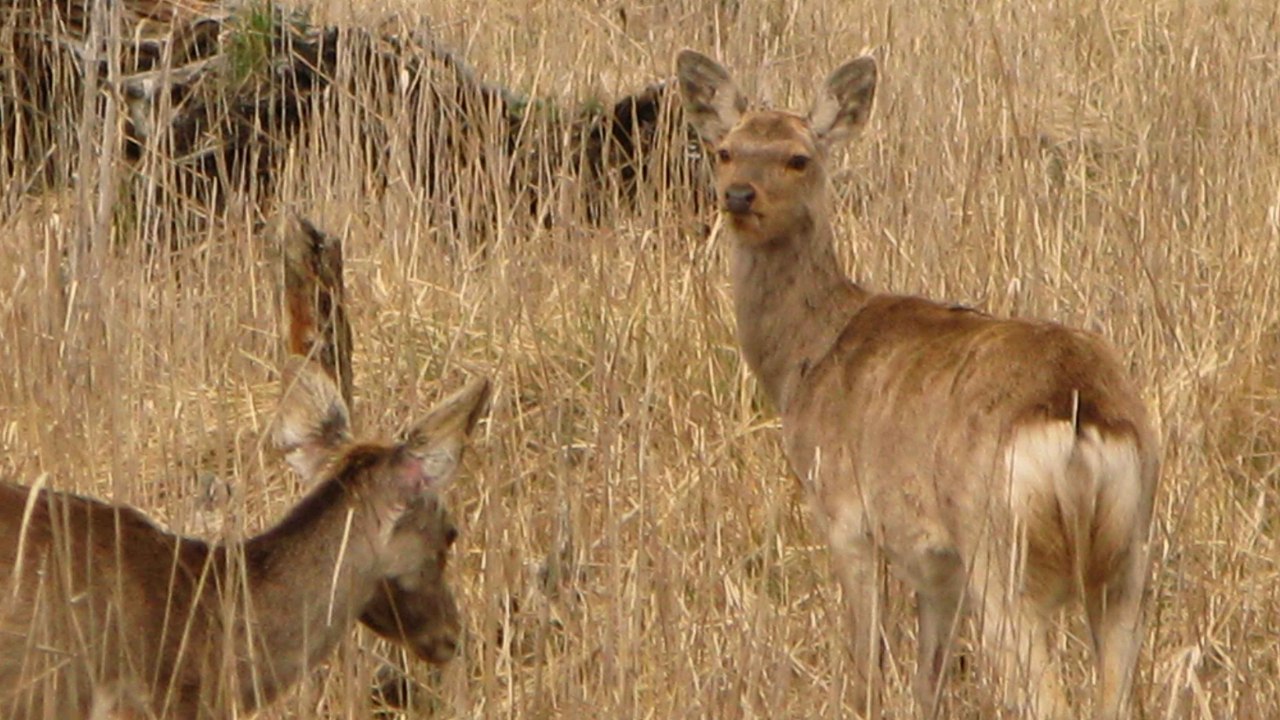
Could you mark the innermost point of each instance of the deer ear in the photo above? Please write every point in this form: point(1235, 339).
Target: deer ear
point(844, 102)
point(712, 102)
point(312, 425)
point(433, 447)
point(314, 298)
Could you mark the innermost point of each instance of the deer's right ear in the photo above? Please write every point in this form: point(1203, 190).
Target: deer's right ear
point(712, 102)
point(313, 424)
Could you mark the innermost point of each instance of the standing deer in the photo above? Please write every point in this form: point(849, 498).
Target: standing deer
point(103, 612)
point(1009, 461)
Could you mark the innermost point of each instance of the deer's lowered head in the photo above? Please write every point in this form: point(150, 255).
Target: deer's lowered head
point(413, 606)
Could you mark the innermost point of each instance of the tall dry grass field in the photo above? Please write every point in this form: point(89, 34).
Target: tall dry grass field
point(1113, 165)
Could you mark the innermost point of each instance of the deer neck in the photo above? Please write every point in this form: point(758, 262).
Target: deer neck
point(308, 579)
point(792, 300)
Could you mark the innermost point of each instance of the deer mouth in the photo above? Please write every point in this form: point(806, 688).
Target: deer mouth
point(743, 219)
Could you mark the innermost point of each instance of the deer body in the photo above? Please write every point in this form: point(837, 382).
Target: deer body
point(130, 618)
point(1008, 463)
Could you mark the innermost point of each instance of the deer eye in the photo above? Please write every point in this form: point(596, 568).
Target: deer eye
point(723, 155)
point(450, 537)
point(798, 162)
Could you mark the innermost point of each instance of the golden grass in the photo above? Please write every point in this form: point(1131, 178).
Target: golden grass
point(1113, 164)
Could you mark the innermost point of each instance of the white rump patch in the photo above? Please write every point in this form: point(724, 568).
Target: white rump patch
point(1114, 464)
point(1038, 459)
point(1040, 462)
point(1087, 480)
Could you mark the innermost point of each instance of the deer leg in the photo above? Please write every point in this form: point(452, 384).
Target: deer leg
point(1019, 636)
point(855, 568)
point(938, 601)
point(1115, 622)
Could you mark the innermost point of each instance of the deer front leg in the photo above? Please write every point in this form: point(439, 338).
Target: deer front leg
point(855, 564)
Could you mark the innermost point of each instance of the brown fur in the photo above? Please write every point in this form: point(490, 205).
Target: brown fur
point(105, 612)
point(956, 444)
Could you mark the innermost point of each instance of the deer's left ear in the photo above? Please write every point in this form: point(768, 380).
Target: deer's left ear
point(844, 102)
point(433, 448)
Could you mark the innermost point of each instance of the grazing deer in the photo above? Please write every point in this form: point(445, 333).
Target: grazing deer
point(318, 338)
point(101, 611)
point(1011, 461)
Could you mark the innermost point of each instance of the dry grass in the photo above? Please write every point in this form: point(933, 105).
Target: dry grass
point(1110, 164)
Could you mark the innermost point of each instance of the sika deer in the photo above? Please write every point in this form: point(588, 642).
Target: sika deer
point(410, 609)
point(1011, 461)
point(104, 612)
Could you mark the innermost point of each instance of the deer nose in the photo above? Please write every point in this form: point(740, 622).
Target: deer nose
point(738, 199)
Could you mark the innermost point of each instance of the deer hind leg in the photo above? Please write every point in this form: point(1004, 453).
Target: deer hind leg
point(1115, 621)
point(1116, 571)
point(938, 605)
point(1016, 629)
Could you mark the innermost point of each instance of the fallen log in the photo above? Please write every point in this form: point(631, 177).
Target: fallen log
point(211, 99)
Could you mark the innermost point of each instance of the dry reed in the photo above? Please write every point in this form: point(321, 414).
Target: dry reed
point(1109, 164)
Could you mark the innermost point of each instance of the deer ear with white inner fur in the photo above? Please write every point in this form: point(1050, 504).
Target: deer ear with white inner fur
point(433, 448)
point(712, 102)
point(313, 424)
point(844, 102)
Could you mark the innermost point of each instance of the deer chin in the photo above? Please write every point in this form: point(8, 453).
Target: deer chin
point(751, 232)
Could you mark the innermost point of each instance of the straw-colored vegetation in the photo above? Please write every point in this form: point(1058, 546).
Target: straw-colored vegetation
point(1114, 165)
